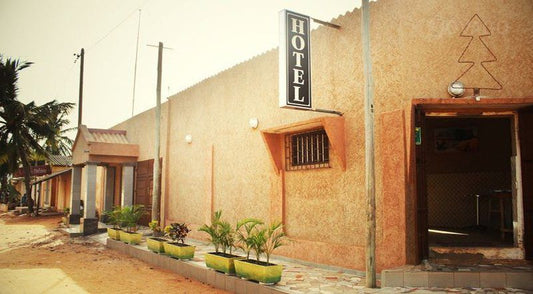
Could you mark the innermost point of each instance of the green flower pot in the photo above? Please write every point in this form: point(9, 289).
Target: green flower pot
point(113, 233)
point(221, 262)
point(267, 274)
point(156, 245)
point(131, 238)
point(179, 250)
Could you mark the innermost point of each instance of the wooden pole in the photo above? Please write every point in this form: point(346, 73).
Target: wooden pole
point(157, 169)
point(369, 150)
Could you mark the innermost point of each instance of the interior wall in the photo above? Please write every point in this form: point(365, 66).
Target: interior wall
point(454, 177)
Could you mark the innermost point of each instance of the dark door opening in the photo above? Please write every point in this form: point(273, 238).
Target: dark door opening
point(468, 181)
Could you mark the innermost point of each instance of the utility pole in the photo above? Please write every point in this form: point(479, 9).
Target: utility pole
point(369, 150)
point(80, 100)
point(157, 166)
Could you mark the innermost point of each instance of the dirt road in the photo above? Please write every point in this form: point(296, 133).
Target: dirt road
point(36, 258)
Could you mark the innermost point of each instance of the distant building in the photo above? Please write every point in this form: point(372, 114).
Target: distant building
point(450, 172)
point(51, 183)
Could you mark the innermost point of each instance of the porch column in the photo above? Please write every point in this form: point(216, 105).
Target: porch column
point(109, 188)
point(127, 185)
point(90, 222)
point(75, 195)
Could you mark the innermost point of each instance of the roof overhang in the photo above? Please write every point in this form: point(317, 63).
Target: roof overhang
point(51, 176)
point(102, 146)
point(334, 127)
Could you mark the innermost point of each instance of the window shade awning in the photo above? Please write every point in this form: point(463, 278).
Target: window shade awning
point(334, 127)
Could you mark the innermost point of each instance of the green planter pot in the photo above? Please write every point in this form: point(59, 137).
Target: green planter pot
point(113, 233)
point(179, 250)
point(155, 244)
point(131, 238)
point(221, 262)
point(267, 274)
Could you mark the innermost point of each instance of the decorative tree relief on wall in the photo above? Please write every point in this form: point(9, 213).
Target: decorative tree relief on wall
point(477, 54)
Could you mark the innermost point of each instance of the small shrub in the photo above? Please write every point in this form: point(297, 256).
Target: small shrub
point(156, 228)
point(177, 232)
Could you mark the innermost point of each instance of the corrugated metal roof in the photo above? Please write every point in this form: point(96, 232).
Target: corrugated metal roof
point(108, 136)
point(60, 160)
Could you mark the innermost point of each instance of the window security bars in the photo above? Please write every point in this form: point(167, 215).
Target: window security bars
point(307, 150)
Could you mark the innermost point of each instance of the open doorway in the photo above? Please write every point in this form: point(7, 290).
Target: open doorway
point(474, 177)
point(468, 174)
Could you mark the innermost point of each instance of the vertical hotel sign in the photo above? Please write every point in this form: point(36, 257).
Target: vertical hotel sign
point(294, 61)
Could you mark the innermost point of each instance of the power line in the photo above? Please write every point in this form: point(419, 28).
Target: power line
point(114, 28)
point(118, 25)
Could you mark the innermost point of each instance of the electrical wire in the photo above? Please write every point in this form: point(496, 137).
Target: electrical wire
point(118, 25)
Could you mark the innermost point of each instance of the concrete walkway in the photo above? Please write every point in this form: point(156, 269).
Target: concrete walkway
point(298, 276)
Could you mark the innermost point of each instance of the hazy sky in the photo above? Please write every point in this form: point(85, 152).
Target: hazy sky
point(207, 36)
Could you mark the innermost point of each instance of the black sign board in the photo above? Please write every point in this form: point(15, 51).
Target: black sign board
point(294, 60)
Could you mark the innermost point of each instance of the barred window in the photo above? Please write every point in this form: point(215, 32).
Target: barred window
point(307, 150)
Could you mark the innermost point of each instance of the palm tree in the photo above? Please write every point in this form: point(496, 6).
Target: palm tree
point(22, 126)
point(57, 141)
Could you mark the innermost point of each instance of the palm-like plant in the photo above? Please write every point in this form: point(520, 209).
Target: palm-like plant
point(114, 217)
point(244, 231)
point(130, 216)
point(56, 141)
point(257, 242)
point(274, 239)
point(22, 126)
point(213, 230)
point(227, 236)
point(267, 239)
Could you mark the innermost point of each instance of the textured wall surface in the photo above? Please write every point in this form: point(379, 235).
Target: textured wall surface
point(415, 49)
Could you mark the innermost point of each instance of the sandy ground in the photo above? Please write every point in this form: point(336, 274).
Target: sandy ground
point(35, 257)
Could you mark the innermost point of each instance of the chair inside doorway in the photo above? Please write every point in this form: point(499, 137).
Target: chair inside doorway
point(468, 177)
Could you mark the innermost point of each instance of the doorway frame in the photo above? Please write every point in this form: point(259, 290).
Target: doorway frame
point(487, 107)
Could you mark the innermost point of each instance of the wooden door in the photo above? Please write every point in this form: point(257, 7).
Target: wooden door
point(421, 190)
point(143, 188)
point(525, 121)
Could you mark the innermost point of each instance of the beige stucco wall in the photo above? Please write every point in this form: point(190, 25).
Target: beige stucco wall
point(415, 48)
point(63, 191)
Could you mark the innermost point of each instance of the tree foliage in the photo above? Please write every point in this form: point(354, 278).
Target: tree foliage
point(23, 127)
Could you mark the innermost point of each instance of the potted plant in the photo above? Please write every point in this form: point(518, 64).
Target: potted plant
point(245, 229)
point(156, 243)
point(177, 232)
point(262, 241)
point(221, 235)
point(113, 218)
point(129, 217)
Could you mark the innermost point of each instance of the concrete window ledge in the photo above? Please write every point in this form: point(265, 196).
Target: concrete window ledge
point(192, 270)
point(405, 277)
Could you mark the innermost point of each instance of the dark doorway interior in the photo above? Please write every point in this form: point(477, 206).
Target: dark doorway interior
point(468, 180)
